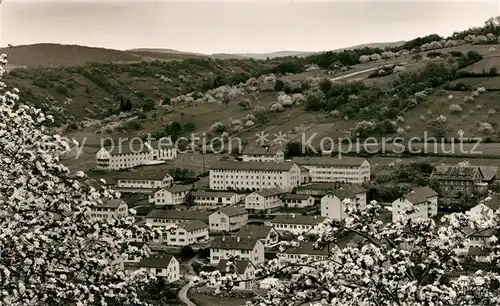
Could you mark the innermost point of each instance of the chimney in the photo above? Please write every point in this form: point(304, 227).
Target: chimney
point(238, 239)
point(223, 238)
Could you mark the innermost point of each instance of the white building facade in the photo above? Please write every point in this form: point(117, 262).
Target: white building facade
point(164, 266)
point(187, 233)
point(332, 169)
point(422, 202)
point(297, 200)
point(144, 180)
point(265, 200)
point(246, 248)
point(228, 219)
point(296, 224)
point(110, 209)
point(175, 195)
point(214, 198)
point(263, 155)
point(333, 206)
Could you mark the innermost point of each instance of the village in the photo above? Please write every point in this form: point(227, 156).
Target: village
point(261, 199)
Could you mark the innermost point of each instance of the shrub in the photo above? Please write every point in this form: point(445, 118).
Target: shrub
point(493, 71)
point(276, 108)
point(285, 99)
point(278, 85)
point(245, 103)
point(455, 108)
point(486, 128)
point(218, 127)
point(249, 123)
point(325, 85)
point(298, 98)
point(456, 53)
point(260, 113)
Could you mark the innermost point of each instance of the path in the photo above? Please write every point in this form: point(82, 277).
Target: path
point(183, 294)
point(355, 73)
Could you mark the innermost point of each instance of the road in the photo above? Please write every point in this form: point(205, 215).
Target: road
point(356, 73)
point(183, 294)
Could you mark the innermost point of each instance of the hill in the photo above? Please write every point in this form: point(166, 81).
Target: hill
point(55, 55)
point(162, 55)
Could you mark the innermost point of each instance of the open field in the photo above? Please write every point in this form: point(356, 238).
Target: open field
point(490, 83)
point(484, 65)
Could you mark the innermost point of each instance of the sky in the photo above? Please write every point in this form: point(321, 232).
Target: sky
point(234, 26)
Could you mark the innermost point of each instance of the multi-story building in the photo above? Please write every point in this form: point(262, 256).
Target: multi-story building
point(297, 200)
point(160, 265)
point(129, 154)
point(214, 198)
point(145, 180)
point(306, 250)
point(230, 175)
point(331, 169)
point(244, 271)
point(160, 217)
point(459, 181)
point(424, 199)
point(296, 224)
point(175, 195)
point(333, 206)
point(319, 190)
point(263, 154)
point(110, 209)
point(228, 219)
point(265, 200)
point(246, 248)
point(266, 234)
point(188, 232)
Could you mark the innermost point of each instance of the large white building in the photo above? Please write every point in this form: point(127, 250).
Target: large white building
point(142, 179)
point(263, 154)
point(228, 219)
point(131, 154)
point(424, 199)
point(230, 175)
point(214, 198)
point(264, 200)
point(110, 209)
point(175, 195)
point(296, 224)
point(226, 247)
point(188, 232)
point(333, 169)
point(333, 206)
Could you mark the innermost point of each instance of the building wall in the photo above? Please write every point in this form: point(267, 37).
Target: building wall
point(181, 237)
point(109, 213)
point(476, 210)
point(108, 161)
point(217, 200)
point(256, 256)
point(171, 272)
point(221, 222)
point(279, 157)
point(334, 173)
point(295, 229)
point(299, 203)
point(146, 184)
point(254, 180)
point(333, 208)
point(433, 206)
point(400, 205)
point(256, 201)
point(165, 197)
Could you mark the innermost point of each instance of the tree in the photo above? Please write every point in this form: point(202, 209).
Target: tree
point(406, 262)
point(52, 251)
point(325, 85)
point(278, 85)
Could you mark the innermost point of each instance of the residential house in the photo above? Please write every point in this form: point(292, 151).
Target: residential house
point(266, 234)
point(143, 250)
point(161, 217)
point(224, 247)
point(187, 233)
point(486, 207)
point(161, 265)
point(231, 175)
point(175, 195)
point(479, 254)
point(331, 169)
point(244, 271)
point(145, 180)
point(214, 198)
point(296, 224)
point(265, 200)
point(306, 250)
point(333, 206)
point(263, 154)
point(459, 181)
point(297, 200)
point(109, 209)
point(477, 239)
point(228, 219)
point(424, 199)
point(129, 154)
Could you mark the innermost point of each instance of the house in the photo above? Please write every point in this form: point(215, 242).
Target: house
point(224, 247)
point(305, 176)
point(479, 254)
point(187, 233)
point(228, 219)
point(490, 174)
point(297, 200)
point(459, 181)
point(231, 175)
point(486, 207)
point(266, 234)
point(160, 217)
point(477, 239)
point(319, 190)
point(295, 224)
point(424, 199)
point(261, 154)
point(129, 154)
point(109, 209)
point(143, 179)
point(214, 198)
point(265, 200)
point(307, 250)
point(160, 265)
point(175, 195)
point(333, 206)
point(244, 271)
point(331, 169)
point(142, 248)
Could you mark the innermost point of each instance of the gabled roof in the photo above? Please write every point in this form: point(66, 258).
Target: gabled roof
point(478, 251)
point(127, 148)
point(259, 150)
point(178, 215)
point(481, 233)
point(177, 188)
point(254, 231)
point(345, 192)
point(329, 161)
point(215, 194)
point(308, 249)
point(192, 225)
point(332, 186)
point(113, 203)
point(489, 172)
point(298, 219)
point(241, 265)
point(252, 166)
point(270, 192)
point(143, 174)
point(156, 261)
point(492, 201)
point(420, 195)
point(232, 211)
point(233, 243)
point(456, 173)
point(298, 197)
